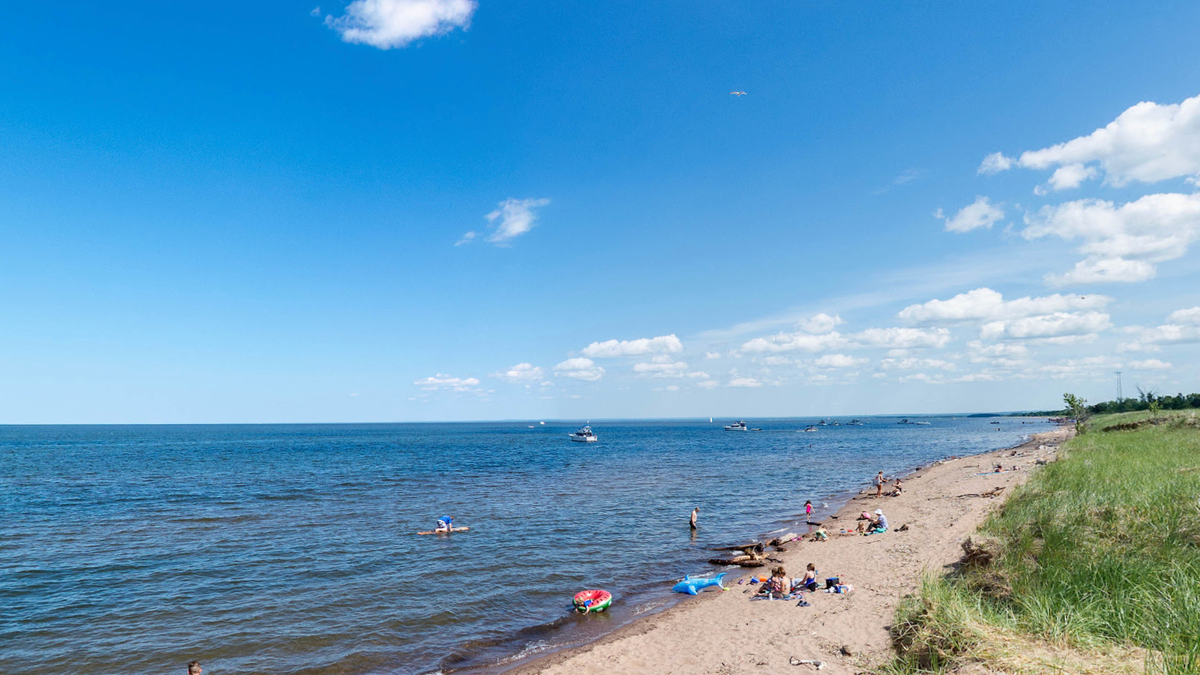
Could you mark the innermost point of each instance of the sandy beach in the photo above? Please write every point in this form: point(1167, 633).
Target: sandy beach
point(727, 633)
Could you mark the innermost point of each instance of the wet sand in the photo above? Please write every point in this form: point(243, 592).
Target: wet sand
point(728, 633)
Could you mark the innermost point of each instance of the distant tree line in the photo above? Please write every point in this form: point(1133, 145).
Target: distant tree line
point(1146, 400)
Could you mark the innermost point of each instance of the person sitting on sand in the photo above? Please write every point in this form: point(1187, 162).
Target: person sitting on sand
point(820, 535)
point(810, 579)
point(896, 490)
point(879, 481)
point(880, 523)
point(445, 524)
point(778, 586)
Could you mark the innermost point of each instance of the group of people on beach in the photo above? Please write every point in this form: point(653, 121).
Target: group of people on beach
point(780, 586)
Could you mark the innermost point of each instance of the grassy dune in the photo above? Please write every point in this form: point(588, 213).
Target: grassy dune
point(1092, 566)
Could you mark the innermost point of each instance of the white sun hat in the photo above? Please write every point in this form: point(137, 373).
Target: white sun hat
point(879, 512)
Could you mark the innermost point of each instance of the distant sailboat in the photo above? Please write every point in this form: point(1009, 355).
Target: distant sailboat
point(710, 420)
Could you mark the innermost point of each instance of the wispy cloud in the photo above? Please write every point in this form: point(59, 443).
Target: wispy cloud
point(396, 23)
point(579, 369)
point(441, 382)
point(516, 217)
point(977, 214)
point(663, 344)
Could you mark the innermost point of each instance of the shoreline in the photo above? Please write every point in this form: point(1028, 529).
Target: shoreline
point(626, 650)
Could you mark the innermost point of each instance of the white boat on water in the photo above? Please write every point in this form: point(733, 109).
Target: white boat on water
point(584, 435)
point(737, 426)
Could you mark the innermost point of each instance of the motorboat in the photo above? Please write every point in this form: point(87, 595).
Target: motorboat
point(737, 426)
point(854, 423)
point(584, 435)
point(811, 427)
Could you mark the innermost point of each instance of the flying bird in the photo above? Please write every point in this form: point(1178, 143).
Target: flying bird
point(737, 93)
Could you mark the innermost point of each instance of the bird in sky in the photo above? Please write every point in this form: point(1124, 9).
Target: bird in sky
point(737, 93)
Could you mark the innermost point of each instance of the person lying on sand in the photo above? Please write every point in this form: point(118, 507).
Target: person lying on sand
point(810, 578)
point(778, 586)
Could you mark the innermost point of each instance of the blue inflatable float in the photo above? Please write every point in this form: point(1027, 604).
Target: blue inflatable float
point(693, 586)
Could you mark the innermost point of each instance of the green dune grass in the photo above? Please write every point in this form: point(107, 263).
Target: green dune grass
point(1098, 553)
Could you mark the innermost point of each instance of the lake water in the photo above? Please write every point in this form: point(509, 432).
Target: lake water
point(291, 549)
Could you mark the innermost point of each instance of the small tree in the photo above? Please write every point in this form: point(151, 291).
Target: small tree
point(1076, 410)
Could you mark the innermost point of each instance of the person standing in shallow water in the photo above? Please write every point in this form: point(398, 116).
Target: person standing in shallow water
point(695, 514)
point(808, 511)
point(194, 668)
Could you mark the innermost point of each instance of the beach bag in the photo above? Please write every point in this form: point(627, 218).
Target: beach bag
point(832, 581)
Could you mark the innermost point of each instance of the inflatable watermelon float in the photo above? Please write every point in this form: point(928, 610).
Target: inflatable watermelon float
point(592, 601)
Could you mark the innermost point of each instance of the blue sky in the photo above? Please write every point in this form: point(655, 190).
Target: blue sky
point(390, 210)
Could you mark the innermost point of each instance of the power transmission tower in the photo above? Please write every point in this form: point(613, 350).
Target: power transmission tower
point(1119, 393)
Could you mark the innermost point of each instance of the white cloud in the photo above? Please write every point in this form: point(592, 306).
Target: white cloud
point(910, 363)
point(698, 374)
point(995, 163)
point(441, 382)
point(902, 338)
point(838, 361)
point(885, 338)
point(1187, 317)
point(707, 384)
point(614, 348)
point(984, 304)
point(744, 382)
point(516, 217)
point(316, 11)
point(820, 323)
point(1003, 354)
point(1049, 327)
point(580, 369)
point(788, 342)
point(1149, 364)
point(977, 214)
point(666, 368)
point(466, 239)
point(1071, 176)
point(712, 355)
point(1147, 143)
point(1183, 326)
point(395, 23)
point(522, 372)
point(1122, 244)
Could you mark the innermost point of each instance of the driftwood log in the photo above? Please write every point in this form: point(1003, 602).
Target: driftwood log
point(754, 548)
point(740, 561)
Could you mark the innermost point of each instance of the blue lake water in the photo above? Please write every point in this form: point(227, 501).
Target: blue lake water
point(291, 549)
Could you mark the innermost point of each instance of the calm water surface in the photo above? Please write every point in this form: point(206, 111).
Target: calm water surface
point(291, 549)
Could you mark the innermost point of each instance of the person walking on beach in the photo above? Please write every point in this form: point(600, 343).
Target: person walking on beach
point(194, 668)
point(695, 514)
point(879, 481)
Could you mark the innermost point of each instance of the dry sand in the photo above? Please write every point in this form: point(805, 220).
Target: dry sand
point(727, 633)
